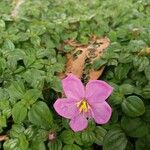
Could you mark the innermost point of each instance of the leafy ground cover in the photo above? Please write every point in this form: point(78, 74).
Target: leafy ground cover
point(33, 55)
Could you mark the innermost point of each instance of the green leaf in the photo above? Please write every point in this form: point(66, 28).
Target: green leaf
point(115, 116)
point(2, 65)
point(55, 145)
point(136, 45)
point(16, 130)
point(127, 89)
point(117, 96)
point(3, 121)
point(71, 147)
point(2, 24)
point(146, 115)
point(35, 78)
point(99, 63)
point(112, 35)
point(31, 96)
point(9, 45)
point(37, 145)
point(115, 139)
point(40, 115)
point(129, 146)
point(19, 112)
point(29, 132)
point(21, 36)
point(147, 72)
point(23, 143)
point(99, 135)
point(16, 90)
point(122, 70)
point(35, 40)
point(19, 143)
point(78, 138)
point(125, 58)
point(143, 143)
point(65, 123)
point(67, 137)
point(140, 62)
point(134, 127)
point(11, 144)
point(146, 91)
point(143, 64)
point(56, 84)
point(133, 106)
point(88, 137)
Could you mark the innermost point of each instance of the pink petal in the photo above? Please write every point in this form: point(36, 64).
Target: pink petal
point(97, 91)
point(66, 108)
point(101, 112)
point(73, 87)
point(78, 123)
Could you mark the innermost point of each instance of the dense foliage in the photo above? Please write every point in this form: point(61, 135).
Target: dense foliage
point(31, 58)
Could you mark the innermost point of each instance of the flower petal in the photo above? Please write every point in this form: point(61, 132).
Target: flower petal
point(101, 112)
point(66, 108)
point(78, 123)
point(73, 87)
point(98, 91)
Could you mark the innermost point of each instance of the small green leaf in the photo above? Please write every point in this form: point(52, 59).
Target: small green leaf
point(99, 63)
point(55, 145)
point(21, 36)
point(56, 84)
point(147, 72)
point(29, 132)
point(31, 96)
point(9, 45)
point(37, 145)
point(122, 70)
point(71, 147)
point(146, 115)
point(11, 144)
point(99, 135)
point(127, 89)
point(16, 89)
point(134, 127)
point(88, 137)
point(143, 143)
point(146, 92)
point(23, 143)
point(16, 130)
point(133, 106)
point(141, 63)
point(67, 137)
point(117, 96)
point(3, 121)
point(115, 139)
point(19, 112)
point(40, 115)
point(125, 58)
point(2, 24)
point(19, 143)
point(35, 40)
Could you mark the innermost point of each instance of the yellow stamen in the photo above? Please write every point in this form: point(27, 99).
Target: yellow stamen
point(83, 106)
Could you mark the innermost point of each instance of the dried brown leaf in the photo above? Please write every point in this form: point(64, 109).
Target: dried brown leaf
point(83, 55)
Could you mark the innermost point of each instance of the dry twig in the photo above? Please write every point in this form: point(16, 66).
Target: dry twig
point(3, 138)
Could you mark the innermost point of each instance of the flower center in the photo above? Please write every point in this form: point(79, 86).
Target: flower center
point(83, 106)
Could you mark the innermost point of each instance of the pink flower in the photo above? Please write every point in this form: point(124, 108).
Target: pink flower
point(84, 102)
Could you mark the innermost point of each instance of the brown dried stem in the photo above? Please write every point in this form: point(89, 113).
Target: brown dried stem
point(3, 138)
